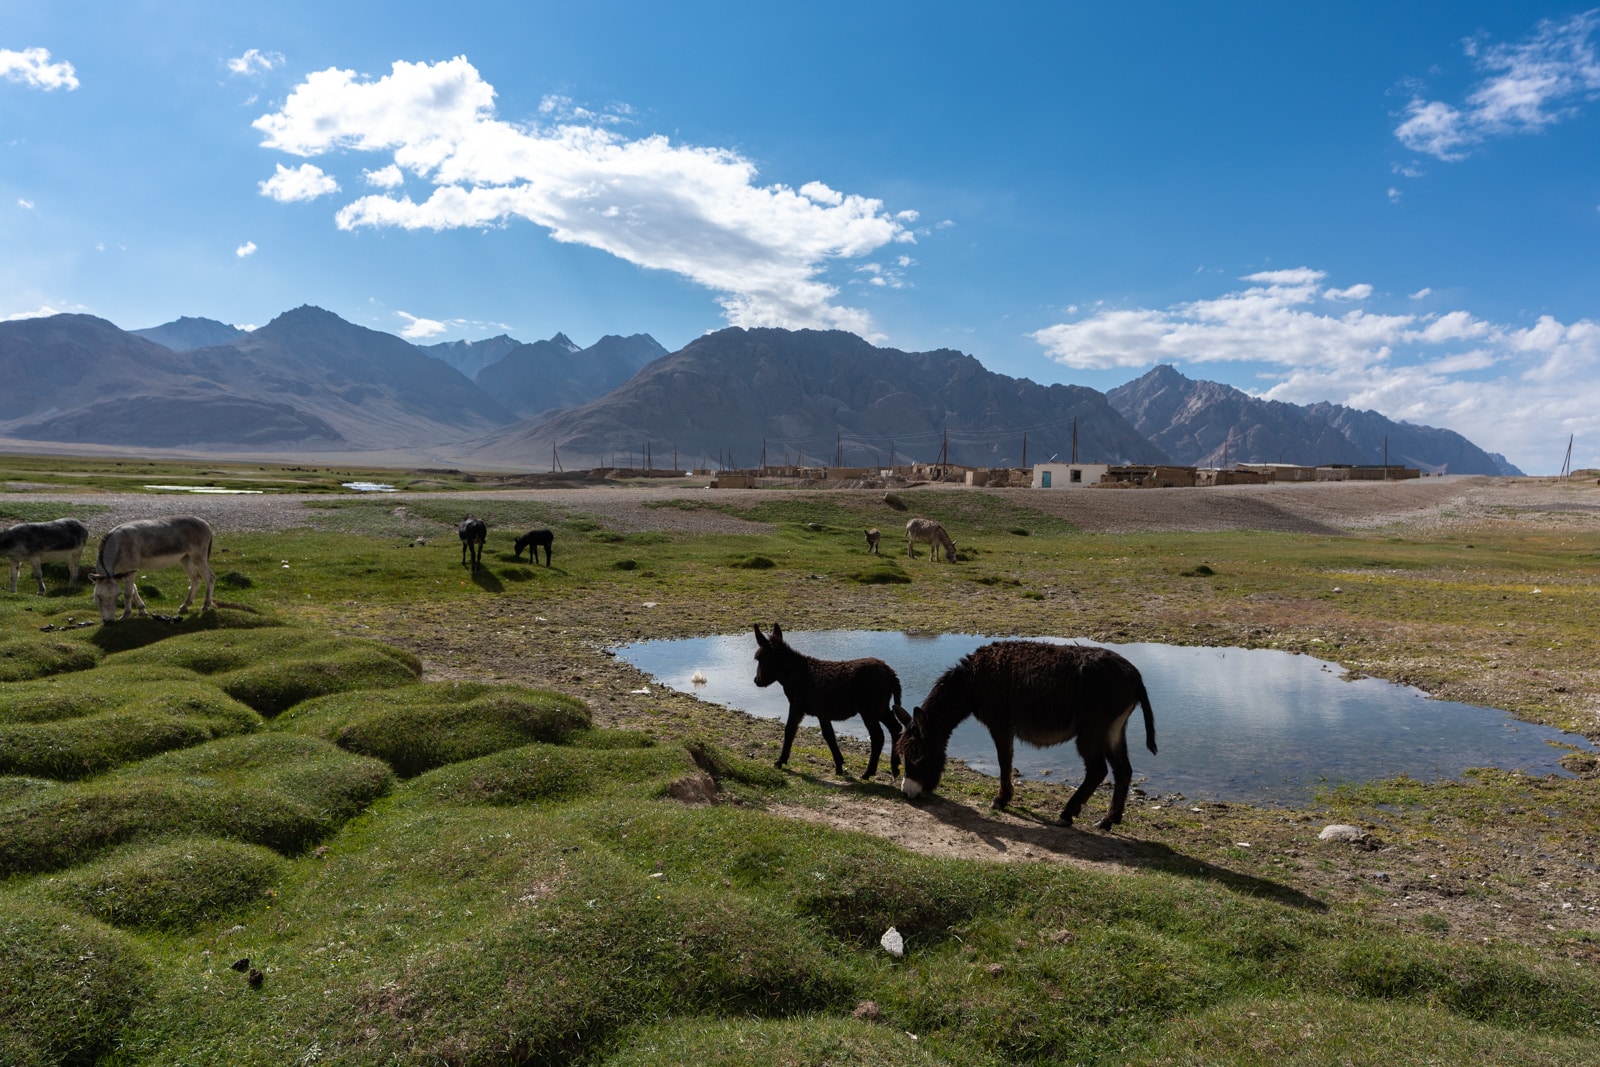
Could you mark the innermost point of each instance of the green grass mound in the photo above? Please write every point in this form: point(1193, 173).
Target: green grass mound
point(285, 793)
point(116, 724)
point(175, 885)
point(628, 946)
point(274, 669)
point(139, 631)
point(753, 563)
point(36, 656)
point(1315, 1031)
point(72, 696)
point(809, 1040)
point(428, 725)
point(68, 985)
point(225, 651)
point(880, 572)
point(540, 773)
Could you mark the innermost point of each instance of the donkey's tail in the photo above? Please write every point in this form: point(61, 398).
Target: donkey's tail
point(898, 708)
point(1149, 719)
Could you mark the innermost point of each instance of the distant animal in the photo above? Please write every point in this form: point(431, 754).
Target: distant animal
point(931, 532)
point(1044, 694)
point(872, 540)
point(533, 540)
point(832, 691)
point(149, 544)
point(57, 541)
point(474, 532)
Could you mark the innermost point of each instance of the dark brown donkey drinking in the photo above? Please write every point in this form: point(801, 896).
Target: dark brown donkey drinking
point(1044, 694)
point(833, 690)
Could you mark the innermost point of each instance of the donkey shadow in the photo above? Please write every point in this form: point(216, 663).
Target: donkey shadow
point(1012, 834)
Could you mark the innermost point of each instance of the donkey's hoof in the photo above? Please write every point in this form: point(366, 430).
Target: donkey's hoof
point(1106, 823)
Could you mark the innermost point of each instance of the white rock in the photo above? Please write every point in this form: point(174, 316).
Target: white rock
point(893, 943)
point(1342, 832)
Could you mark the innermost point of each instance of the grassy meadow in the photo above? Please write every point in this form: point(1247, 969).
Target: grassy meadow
point(379, 809)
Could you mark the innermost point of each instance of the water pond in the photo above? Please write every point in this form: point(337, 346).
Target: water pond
point(1247, 725)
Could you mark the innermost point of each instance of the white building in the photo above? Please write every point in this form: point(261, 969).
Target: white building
point(1067, 475)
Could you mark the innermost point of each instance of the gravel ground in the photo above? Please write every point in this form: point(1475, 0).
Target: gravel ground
point(1325, 507)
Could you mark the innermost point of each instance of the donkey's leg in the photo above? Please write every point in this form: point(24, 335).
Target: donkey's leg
point(833, 744)
point(893, 725)
point(1002, 750)
point(191, 567)
point(134, 600)
point(1121, 777)
point(790, 728)
point(875, 732)
point(1094, 772)
point(38, 574)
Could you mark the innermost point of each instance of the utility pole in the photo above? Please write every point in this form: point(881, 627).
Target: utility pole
point(1024, 449)
point(763, 453)
point(1566, 464)
point(1074, 439)
point(1385, 457)
point(838, 449)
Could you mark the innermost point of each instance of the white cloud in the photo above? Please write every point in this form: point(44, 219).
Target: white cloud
point(389, 177)
point(1394, 195)
point(1422, 294)
point(255, 61)
point(246, 249)
point(305, 182)
point(1353, 293)
point(34, 68)
point(43, 311)
point(24, 203)
point(694, 211)
point(1510, 389)
point(418, 328)
point(1528, 86)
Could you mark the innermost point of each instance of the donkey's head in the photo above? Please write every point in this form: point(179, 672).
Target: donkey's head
point(771, 655)
point(924, 759)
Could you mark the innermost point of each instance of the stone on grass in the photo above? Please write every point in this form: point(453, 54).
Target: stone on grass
point(893, 943)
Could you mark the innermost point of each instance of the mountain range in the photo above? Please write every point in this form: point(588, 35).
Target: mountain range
point(310, 381)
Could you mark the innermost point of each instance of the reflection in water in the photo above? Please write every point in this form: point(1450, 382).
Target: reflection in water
point(1250, 725)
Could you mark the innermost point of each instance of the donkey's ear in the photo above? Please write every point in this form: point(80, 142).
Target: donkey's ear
point(777, 634)
point(760, 637)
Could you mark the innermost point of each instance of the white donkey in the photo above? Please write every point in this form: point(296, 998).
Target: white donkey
point(60, 540)
point(931, 532)
point(146, 545)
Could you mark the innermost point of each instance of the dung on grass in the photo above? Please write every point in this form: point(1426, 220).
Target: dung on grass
point(431, 724)
point(176, 885)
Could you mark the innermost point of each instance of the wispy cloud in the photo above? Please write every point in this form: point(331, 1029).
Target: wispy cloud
point(24, 203)
point(697, 212)
point(1508, 388)
point(34, 68)
point(1527, 86)
point(43, 311)
point(305, 182)
point(245, 250)
point(255, 61)
point(417, 328)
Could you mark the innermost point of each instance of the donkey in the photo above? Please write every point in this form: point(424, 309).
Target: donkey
point(1045, 694)
point(532, 541)
point(474, 532)
point(933, 533)
point(147, 544)
point(872, 541)
point(833, 690)
point(60, 540)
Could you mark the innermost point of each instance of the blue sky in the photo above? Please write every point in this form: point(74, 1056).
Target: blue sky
point(1393, 206)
